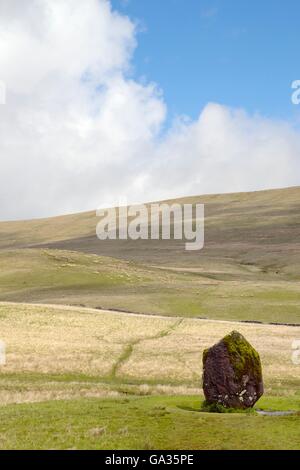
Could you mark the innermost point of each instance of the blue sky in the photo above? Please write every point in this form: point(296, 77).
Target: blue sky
point(69, 145)
point(237, 53)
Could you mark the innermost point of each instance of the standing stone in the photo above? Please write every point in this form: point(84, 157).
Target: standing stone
point(232, 373)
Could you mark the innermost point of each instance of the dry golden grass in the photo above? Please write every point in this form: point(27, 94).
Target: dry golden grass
point(58, 352)
point(54, 392)
point(178, 356)
point(55, 340)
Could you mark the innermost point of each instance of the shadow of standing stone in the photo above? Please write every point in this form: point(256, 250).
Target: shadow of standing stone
point(232, 373)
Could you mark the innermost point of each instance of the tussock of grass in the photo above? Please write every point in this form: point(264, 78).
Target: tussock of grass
point(219, 408)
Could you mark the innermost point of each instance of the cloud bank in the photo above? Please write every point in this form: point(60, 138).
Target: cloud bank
point(78, 131)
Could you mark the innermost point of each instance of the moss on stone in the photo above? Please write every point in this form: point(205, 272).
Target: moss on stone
point(243, 356)
point(219, 408)
point(204, 356)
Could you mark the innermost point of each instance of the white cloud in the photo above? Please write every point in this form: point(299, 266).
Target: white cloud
point(227, 150)
point(77, 131)
point(42, 39)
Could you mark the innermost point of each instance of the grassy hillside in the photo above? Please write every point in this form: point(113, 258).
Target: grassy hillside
point(248, 270)
point(87, 379)
point(62, 277)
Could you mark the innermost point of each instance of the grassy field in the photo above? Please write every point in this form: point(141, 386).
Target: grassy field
point(80, 374)
point(87, 379)
point(117, 348)
point(144, 423)
point(56, 276)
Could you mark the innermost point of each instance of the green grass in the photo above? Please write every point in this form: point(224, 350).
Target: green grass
point(63, 277)
point(144, 423)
